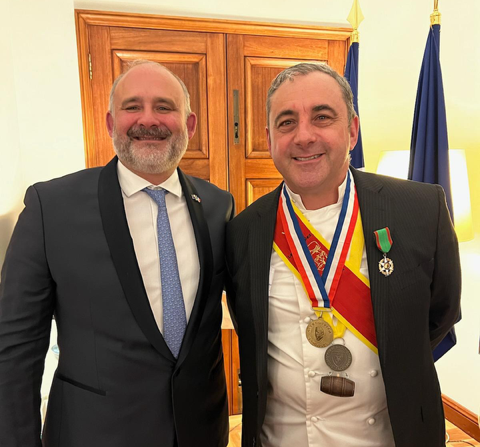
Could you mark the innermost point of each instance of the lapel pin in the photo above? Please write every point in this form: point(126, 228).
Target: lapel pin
point(196, 198)
point(384, 242)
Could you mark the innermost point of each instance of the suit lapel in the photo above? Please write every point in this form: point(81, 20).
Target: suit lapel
point(375, 213)
point(120, 243)
point(260, 253)
point(205, 257)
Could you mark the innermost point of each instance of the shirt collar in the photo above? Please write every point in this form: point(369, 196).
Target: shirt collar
point(131, 183)
point(298, 200)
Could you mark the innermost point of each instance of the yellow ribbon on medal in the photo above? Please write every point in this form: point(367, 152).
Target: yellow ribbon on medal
point(338, 329)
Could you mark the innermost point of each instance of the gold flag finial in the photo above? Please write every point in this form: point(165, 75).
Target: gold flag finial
point(435, 16)
point(355, 18)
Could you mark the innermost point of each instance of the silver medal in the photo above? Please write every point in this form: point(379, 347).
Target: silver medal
point(338, 357)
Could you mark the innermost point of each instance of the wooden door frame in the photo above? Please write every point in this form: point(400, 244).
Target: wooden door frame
point(131, 20)
point(86, 18)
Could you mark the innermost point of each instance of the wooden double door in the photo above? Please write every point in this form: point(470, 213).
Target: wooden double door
point(227, 67)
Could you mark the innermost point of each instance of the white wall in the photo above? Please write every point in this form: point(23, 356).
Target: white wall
point(11, 179)
point(316, 12)
point(459, 369)
point(40, 110)
point(40, 114)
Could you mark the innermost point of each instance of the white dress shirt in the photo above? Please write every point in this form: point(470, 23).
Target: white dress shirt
point(298, 413)
point(142, 213)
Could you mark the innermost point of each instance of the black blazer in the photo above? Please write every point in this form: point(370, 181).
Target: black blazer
point(117, 384)
point(414, 308)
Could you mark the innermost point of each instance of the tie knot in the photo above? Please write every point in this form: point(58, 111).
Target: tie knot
point(158, 195)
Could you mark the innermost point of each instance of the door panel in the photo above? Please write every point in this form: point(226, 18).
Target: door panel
point(99, 149)
point(285, 47)
point(258, 188)
point(236, 380)
point(253, 62)
point(191, 56)
point(157, 40)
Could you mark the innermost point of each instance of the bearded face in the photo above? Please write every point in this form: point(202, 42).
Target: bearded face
point(150, 122)
point(152, 151)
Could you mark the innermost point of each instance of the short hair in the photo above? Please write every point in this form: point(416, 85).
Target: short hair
point(310, 67)
point(137, 62)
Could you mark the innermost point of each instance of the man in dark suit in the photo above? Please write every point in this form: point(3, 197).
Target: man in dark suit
point(341, 284)
point(135, 290)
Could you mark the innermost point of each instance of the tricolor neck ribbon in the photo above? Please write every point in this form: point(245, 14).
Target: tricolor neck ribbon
point(321, 283)
point(384, 241)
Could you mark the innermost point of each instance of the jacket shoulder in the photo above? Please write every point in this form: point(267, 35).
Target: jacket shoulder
point(393, 185)
point(74, 181)
point(214, 199)
point(202, 186)
point(265, 204)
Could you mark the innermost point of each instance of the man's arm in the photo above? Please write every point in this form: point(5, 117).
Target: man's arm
point(446, 283)
point(26, 308)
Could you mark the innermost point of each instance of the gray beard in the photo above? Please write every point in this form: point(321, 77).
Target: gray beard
point(149, 159)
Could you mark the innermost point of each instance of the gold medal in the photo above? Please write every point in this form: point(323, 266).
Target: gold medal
point(319, 333)
point(385, 266)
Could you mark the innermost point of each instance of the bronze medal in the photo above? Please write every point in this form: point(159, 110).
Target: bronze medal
point(319, 333)
point(337, 386)
point(385, 266)
point(338, 357)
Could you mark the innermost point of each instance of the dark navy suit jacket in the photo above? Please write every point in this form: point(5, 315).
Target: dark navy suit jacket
point(117, 384)
point(414, 308)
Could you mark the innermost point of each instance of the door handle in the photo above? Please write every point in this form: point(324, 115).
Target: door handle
point(236, 118)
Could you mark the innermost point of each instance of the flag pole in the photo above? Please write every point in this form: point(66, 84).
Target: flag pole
point(355, 17)
point(435, 16)
point(351, 74)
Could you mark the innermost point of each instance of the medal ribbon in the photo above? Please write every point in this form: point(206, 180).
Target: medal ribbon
point(383, 238)
point(353, 307)
point(320, 286)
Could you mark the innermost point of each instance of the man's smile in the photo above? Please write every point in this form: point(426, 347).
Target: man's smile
point(149, 138)
point(312, 157)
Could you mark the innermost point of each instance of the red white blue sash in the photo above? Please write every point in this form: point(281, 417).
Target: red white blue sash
point(320, 286)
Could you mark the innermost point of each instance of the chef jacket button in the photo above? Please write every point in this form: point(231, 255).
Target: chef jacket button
point(314, 419)
point(371, 421)
point(311, 373)
point(307, 320)
point(373, 373)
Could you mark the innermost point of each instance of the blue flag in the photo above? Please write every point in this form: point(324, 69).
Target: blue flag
point(351, 74)
point(429, 146)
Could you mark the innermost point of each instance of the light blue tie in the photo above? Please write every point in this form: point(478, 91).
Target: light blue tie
point(174, 317)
